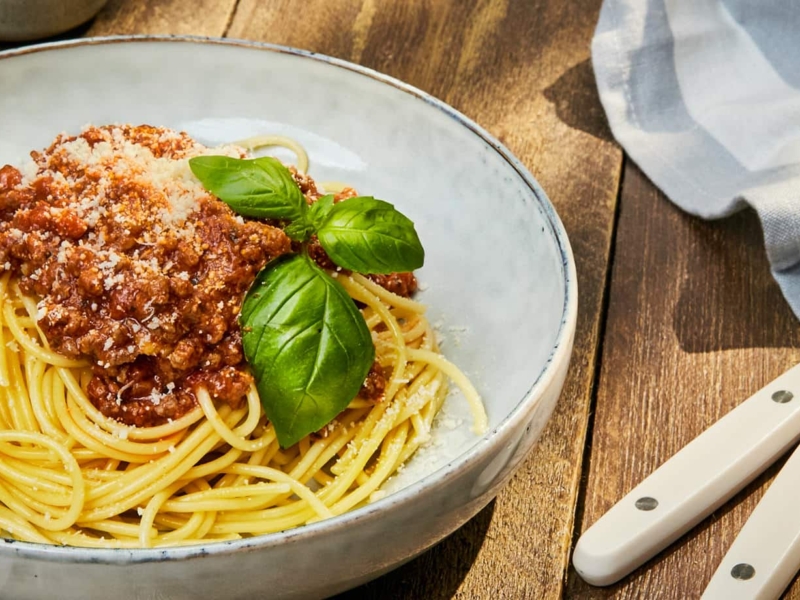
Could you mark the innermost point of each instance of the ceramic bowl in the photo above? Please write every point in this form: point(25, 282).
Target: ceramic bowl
point(33, 19)
point(499, 278)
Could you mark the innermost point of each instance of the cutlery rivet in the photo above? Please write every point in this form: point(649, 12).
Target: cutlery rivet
point(782, 396)
point(743, 571)
point(646, 503)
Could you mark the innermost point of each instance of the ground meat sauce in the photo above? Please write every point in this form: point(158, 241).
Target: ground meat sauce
point(139, 269)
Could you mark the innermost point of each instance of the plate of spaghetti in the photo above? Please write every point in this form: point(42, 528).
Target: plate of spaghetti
point(249, 327)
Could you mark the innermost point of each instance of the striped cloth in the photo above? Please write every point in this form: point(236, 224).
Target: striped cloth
point(704, 95)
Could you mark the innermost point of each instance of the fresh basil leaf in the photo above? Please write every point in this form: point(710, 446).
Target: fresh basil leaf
point(367, 235)
point(299, 229)
point(307, 344)
point(258, 187)
point(318, 212)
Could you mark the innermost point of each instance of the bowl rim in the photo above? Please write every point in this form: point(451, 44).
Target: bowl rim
point(560, 351)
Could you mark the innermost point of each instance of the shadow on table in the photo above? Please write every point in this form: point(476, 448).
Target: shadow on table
point(76, 32)
point(720, 303)
point(577, 103)
point(436, 574)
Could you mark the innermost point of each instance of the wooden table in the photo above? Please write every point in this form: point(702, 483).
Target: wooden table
point(679, 318)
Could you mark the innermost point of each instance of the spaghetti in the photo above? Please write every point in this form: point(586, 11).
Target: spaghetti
point(71, 475)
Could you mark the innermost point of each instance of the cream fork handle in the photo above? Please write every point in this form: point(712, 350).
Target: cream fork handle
point(691, 484)
point(765, 556)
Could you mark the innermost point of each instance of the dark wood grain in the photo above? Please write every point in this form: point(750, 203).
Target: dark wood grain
point(695, 325)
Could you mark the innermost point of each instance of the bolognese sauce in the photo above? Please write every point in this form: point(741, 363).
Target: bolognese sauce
point(137, 267)
point(139, 270)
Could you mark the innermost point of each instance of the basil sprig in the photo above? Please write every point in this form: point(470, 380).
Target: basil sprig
point(303, 336)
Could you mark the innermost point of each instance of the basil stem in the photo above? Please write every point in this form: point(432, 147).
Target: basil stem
point(319, 211)
point(301, 229)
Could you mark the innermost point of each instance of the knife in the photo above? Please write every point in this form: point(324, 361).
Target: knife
point(765, 556)
point(693, 483)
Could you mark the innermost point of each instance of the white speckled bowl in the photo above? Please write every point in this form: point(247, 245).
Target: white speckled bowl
point(499, 275)
point(33, 19)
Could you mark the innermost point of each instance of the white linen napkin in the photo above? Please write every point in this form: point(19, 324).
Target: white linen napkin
point(704, 95)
